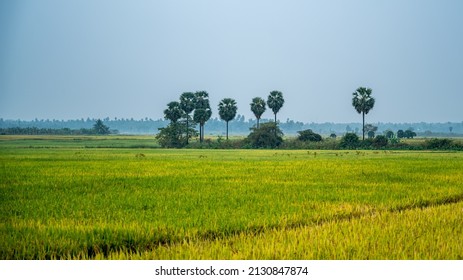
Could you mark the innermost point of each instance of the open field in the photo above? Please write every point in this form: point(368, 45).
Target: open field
point(59, 200)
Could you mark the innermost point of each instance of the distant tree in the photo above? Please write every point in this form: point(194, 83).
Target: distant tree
point(400, 134)
point(371, 134)
point(363, 103)
point(409, 134)
point(187, 103)
point(258, 108)
point(227, 110)
point(100, 128)
point(173, 112)
point(350, 141)
point(389, 134)
point(174, 135)
point(451, 129)
point(268, 135)
point(309, 135)
point(202, 112)
point(380, 141)
point(333, 135)
point(275, 101)
point(371, 130)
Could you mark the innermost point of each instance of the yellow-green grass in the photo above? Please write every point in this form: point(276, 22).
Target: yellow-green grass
point(69, 203)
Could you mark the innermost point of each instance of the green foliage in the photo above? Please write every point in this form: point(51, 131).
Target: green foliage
point(275, 101)
point(258, 108)
point(227, 110)
point(350, 141)
point(174, 135)
point(363, 103)
point(389, 134)
point(202, 111)
point(268, 135)
point(438, 144)
point(100, 128)
point(400, 134)
point(380, 141)
point(409, 134)
point(371, 134)
point(187, 102)
point(174, 111)
point(309, 135)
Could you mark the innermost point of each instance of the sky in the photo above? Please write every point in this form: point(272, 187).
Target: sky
point(110, 58)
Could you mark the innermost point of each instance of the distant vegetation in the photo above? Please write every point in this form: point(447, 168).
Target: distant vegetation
point(192, 111)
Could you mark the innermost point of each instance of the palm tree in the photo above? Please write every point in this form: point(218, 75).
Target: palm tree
point(187, 103)
point(363, 103)
point(275, 101)
point(227, 110)
point(258, 108)
point(173, 112)
point(202, 111)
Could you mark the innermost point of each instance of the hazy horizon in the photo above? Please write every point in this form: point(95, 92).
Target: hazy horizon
point(72, 60)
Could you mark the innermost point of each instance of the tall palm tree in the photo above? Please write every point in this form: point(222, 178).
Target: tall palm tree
point(173, 112)
point(275, 101)
point(202, 112)
point(363, 103)
point(187, 103)
point(258, 108)
point(227, 110)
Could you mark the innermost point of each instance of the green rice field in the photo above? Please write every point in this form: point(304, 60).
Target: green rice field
point(121, 198)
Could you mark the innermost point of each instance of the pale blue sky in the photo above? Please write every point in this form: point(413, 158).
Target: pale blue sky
point(94, 58)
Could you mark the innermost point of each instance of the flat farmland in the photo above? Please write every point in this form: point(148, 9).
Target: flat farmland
point(63, 201)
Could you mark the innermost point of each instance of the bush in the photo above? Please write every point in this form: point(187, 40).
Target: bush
point(438, 144)
point(174, 135)
point(309, 135)
point(350, 141)
point(268, 135)
point(380, 141)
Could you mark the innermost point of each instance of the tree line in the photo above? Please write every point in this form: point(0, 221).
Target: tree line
point(194, 108)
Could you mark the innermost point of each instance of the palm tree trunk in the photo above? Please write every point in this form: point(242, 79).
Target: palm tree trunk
point(257, 122)
point(363, 126)
point(275, 119)
point(187, 128)
point(200, 133)
point(227, 130)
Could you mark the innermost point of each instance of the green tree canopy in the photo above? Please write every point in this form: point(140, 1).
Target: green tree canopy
point(258, 108)
point(173, 112)
point(363, 103)
point(202, 111)
point(268, 135)
point(275, 101)
point(227, 110)
point(187, 103)
point(100, 128)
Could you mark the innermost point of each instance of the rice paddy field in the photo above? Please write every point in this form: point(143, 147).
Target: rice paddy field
point(107, 198)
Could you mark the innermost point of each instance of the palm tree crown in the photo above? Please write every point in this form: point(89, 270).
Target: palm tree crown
point(227, 110)
point(173, 112)
point(258, 108)
point(363, 103)
point(275, 101)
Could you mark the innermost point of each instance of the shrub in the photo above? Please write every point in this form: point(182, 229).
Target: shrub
point(268, 135)
point(436, 144)
point(309, 135)
point(350, 141)
point(380, 141)
point(174, 135)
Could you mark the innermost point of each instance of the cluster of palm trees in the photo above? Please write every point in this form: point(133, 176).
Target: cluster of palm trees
point(198, 104)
